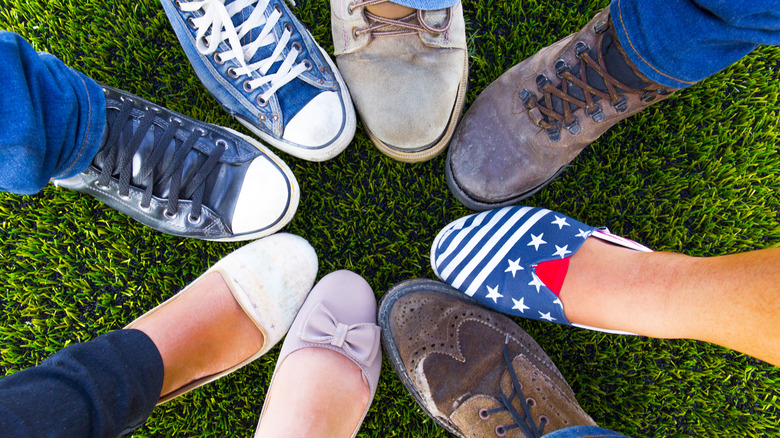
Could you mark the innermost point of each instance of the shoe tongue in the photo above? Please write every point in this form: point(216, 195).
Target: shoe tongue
point(617, 64)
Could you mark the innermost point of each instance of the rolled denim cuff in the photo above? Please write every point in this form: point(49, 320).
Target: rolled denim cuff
point(91, 123)
point(678, 43)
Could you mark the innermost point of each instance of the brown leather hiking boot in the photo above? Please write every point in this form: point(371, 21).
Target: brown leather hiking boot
point(525, 128)
point(474, 371)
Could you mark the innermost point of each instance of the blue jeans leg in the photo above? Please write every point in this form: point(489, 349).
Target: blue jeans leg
point(677, 43)
point(583, 432)
point(101, 388)
point(427, 5)
point(52, 118)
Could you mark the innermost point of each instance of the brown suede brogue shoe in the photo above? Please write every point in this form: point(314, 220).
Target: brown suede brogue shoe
point(524, 129)
point(474, 371)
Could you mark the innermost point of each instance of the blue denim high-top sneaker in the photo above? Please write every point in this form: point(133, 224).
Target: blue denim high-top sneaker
point(263, 66)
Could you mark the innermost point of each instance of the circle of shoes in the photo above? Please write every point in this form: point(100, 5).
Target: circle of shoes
point(382, 26)
point(524, 421)
point(216, 26)
point(551, 120)
point(113, 158)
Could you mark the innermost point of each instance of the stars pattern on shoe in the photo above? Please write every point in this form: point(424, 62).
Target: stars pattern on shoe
point(561, 251)
point(536, 241)
point(514, 266)
point(492, 256)
point(493, 294)
point(561, 222)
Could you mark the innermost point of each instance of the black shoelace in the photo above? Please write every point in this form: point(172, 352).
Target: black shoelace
point(117, 159)
point(524, 421)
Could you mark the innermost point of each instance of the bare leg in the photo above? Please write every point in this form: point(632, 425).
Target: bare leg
point(205, 332)
point(731, 300)
point(320, 386)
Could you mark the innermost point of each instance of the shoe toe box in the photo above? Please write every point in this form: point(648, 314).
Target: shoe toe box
point(266, 198)
point(318, 123)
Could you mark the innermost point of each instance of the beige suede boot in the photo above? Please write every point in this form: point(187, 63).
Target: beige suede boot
point(407, 76)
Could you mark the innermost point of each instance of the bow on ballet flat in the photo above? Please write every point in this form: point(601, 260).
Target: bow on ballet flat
point(359, 341)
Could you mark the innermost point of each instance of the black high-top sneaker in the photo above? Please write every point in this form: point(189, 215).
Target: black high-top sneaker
point(185, 177)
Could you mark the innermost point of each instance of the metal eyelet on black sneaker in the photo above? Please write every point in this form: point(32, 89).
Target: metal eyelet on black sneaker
point(194, 220)
point(101, 186)
point(222, 143)
point(148, 208)
point(124, 197)
point(169, 215)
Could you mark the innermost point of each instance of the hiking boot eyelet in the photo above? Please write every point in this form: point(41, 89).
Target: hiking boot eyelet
point(262, 102)
point(597, 115)
point(170, 215)
point(580, 48)
point(560, 68)
point(543, 420)
point(218, 58)
point(232, 73)
point(194, 220)
point(541, 81)
point(307, 64)
point(222, 143)
point(600, 26)
point(500, 431)
point(483, 414)
point(297, 46)
point(530, 402)
point(191, 23)
point(554, 134)
point(573, 127)
point(621, 105)
point(248, 87)
point(647, 96)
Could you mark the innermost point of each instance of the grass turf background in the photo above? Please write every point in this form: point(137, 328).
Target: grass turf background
point(695, 174)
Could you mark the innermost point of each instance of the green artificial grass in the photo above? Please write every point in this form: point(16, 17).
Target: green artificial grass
point(697, 173)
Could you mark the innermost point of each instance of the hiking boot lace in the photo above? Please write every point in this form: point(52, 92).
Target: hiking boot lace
point(524, 421)
point(382, 26)
point(114, 158)
point(574, 92)
point(216, 26)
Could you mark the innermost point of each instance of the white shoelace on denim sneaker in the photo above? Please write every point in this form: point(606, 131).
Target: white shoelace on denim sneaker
point(216, 25)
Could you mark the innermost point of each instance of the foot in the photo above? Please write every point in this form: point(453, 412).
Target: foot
point(516, 260)
point(184, 177)
point(505, 384)
point(264, 67)
point(232, 314)
point(328, 369)
point(518, 135)
point(407, 71)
